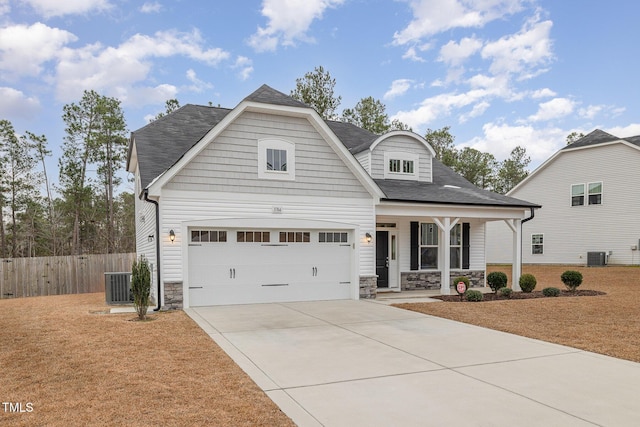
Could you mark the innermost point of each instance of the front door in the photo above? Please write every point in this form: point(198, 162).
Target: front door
point(382, 258)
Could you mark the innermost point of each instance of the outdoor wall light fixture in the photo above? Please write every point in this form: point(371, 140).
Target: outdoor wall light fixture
point(150, 238)
point(172, 236)
point(368, 237)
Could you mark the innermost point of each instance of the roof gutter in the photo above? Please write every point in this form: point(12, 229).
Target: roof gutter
point(159, 294)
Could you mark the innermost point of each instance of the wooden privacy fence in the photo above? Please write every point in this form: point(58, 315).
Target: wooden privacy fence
point(57, 275)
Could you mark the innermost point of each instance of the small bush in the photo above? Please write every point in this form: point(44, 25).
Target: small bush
point(463, 279)
point(141, 286)
point(551, 292)
point(527, 282)
point(473, 295)
point(505, 292)
point(571, 279)
point(496, 280)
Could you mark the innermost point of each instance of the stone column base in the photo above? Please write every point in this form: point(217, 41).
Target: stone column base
point(173, 298)
point(368, 287)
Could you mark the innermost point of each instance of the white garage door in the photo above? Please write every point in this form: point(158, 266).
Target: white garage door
point(232, 266)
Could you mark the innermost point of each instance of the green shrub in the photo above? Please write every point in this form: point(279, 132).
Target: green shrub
point(505, 292)
point(141, 286)
point(527, 282)
point(571, 279)
point(461, 279)
point(473, 295)
point(496, 280)
point(551, 292)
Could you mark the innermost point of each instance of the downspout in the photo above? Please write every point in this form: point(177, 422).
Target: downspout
point(521, 231)
point(146, 199)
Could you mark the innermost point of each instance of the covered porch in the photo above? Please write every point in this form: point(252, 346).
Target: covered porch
point(424, 247)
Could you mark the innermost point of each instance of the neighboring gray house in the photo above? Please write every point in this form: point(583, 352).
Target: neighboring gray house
point(589, 191)
point(268, 202)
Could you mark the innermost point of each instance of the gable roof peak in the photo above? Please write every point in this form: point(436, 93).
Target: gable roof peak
point(267, 95)
point(596, 136)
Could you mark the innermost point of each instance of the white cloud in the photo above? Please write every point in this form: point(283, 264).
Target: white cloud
point(197, 85)
point(624, 131)
point(24, 49)
point(521, 54)
point(476, 111)
point(500, 139)
point(455, 54)
point(4, 7)
point(245, 67)
point(115, 69)
point(590, 111)
point(398, 87)
point(543, 93)
point(556, 108)
point(15, 104)
point(434, 16)
point(147, 95)
point(288, 22)
point(151, 7)
point(51, 8)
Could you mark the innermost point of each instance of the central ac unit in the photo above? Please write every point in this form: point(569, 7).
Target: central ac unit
point(596, 259)
point(117, 287)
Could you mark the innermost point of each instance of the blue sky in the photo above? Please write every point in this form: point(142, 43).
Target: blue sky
point(501, 73)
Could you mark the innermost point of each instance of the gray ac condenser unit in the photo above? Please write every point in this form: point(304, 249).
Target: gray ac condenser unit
point(596, 259)
point(117, 287)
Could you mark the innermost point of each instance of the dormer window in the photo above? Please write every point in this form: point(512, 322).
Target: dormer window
point(276, 159)
point(399, 165)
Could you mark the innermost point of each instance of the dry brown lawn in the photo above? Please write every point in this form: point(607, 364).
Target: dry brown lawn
point(80, 368)
point(607, 324)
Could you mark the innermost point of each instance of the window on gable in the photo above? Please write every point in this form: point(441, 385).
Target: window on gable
point(537, 244)
point(595, 193)
point(276, 160)
point(407, 166)
point(401, 165)
point(394, 165)
point(577, 195)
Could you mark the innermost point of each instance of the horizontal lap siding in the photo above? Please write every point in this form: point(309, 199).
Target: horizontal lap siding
point(230, 163)
point(401, 144)
point(571, 232)
point(176, 210)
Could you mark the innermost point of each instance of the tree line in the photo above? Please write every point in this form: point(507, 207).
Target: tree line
point(83, 213)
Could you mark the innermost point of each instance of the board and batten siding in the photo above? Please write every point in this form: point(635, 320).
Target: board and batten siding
point(230, 162)
point(404, 144)
point(178, 208)
point(403, 226)
point(572, 231)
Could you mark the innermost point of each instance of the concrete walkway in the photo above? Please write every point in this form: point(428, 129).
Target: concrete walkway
point(361, 363)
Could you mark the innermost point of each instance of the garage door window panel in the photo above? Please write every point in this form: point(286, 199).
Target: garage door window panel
point(253, 237)
point(295, 237)
point(333, 237)
point(206, 236)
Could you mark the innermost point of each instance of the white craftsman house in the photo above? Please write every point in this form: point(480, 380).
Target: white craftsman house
point(267, 202)
point(591, 206)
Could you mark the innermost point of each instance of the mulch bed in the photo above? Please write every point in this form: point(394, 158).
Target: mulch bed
point(521, 295)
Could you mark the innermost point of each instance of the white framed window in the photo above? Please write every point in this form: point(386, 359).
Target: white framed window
point(537, 244)
point(428, 246)
point(253, 236)
point(276, 159)
point(455, 241)
point(333, 237)
point(577, 195)
point(595, 193)
point(295, 237)
point(213, 236)
point(400, 165)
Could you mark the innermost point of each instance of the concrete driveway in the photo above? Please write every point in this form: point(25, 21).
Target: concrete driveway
point(362, 363)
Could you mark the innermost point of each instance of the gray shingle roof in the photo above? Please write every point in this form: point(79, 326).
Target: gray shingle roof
point(600, 137)
point(163, 142)
point(448, 187)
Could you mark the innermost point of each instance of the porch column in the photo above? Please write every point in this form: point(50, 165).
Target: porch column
point(445, 272)
point(516, 267)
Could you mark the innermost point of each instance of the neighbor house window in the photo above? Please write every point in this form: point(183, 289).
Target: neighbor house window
point(276, 159)
point(577, 195)
point(295, 237)
point(208, 236)
point(253, 236)
point(455, 240)
point(595, 193)
point(428, 246)
point(333, 237)
point(537, 244)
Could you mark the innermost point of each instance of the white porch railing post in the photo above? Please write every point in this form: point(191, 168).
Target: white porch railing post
point(516, 268)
